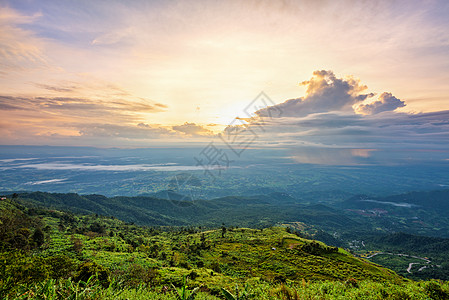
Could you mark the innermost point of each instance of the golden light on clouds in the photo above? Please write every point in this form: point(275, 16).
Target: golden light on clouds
point(181, 62)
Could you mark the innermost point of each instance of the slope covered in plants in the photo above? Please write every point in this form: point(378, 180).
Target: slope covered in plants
point(59, 254)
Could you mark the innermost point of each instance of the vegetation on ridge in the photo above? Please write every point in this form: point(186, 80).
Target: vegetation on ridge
point(57, 255)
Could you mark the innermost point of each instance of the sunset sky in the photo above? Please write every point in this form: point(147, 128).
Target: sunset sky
point(360, 75)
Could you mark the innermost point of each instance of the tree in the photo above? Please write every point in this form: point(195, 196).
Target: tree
point(97, 227)
point(38, 237)
point(203, 240)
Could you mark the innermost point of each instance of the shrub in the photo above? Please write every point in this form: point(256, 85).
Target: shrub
point(434, 290)
point(61, 266)
point(88, 269)
point(137, 274)
point(22, 268)
point(352, 282)
point(38, 237)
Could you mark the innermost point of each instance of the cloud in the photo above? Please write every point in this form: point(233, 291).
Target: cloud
point(331, 156)
point(114, 37)
point(325, 92)
point(85, 86)
point(192, 129)
point(8, 103)
point(386, 102)
point(54, 88)
point(170, 167)
point(387, 130)
point(332, 125)
point(73, 106)
point(79, 120)
point(141, 131)
point(351, 139)
point(19, 48)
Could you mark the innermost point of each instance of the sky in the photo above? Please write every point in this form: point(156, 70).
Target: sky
point(357, 76)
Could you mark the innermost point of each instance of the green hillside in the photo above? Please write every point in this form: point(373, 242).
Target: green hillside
point(60, 254)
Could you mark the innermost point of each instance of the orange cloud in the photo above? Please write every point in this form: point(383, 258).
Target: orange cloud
point(192, 129)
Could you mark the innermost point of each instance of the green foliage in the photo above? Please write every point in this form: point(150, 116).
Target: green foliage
point(435, 291)
point(428, 254)
point(38, 237)
point(92, 289)
point(137, 274)
point(238, 295)
point(284, 292)
point(17, 227)
point(23, 268)
point(80, 259)
point(228, 294)
point(91, 269)
point(61, 266)
point(64, 289)
point(183, 293)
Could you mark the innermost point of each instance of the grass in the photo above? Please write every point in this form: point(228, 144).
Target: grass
point(67, 289)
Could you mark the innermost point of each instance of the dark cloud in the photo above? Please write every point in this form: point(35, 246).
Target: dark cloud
point(386, 102)
point(192, 129)
point(328, 120)
point(5, 106)
point(13, 103)
point(387, 130)
point(343, 138)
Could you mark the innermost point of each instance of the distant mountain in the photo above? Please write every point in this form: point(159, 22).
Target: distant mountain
point(437, 201)
point(255, 211)
point(169, 195)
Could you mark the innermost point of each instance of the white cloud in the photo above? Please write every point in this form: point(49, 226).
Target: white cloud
point(386, 102)
point(327, 93)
